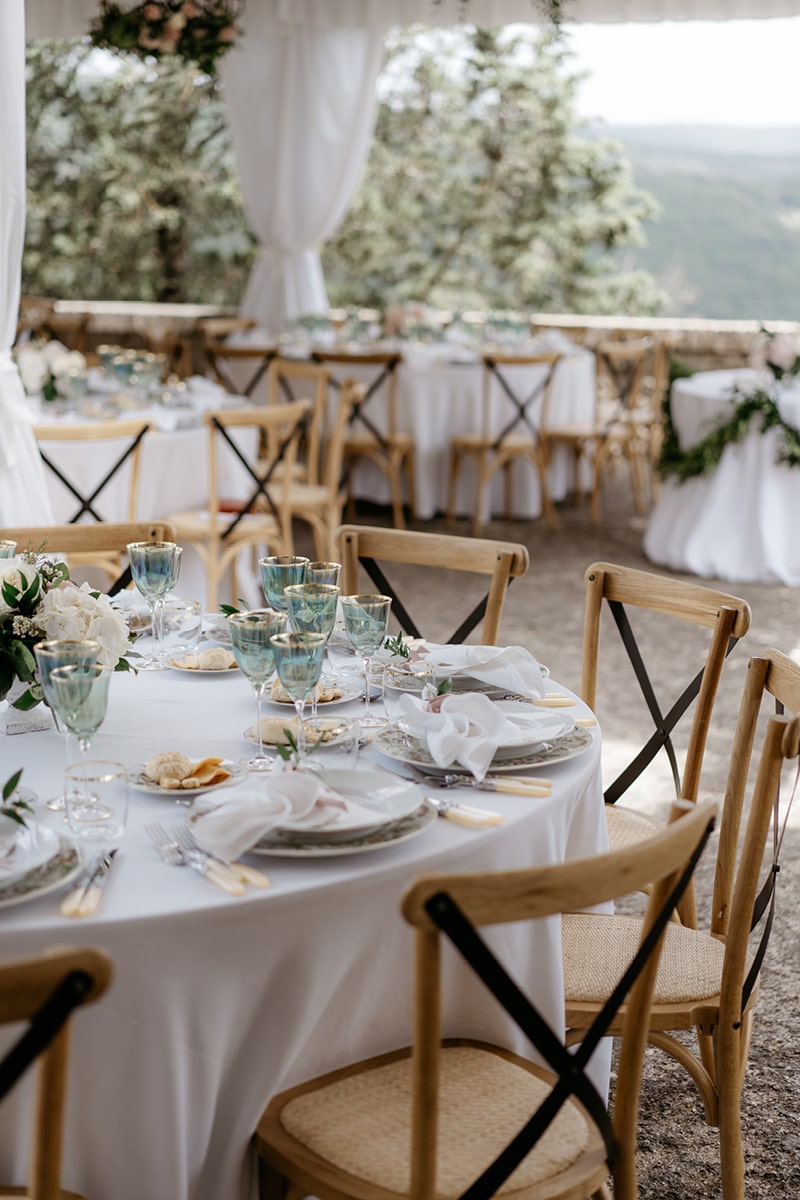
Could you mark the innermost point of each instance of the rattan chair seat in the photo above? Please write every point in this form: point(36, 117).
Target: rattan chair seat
point(627, 826)
point(597, 947)
point(362, 1123)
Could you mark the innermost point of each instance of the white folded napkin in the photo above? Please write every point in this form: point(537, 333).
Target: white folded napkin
point(467, 729)
point(289, 799)
point(510, 667)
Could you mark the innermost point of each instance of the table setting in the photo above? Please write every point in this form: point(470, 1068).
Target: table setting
point(285, 878)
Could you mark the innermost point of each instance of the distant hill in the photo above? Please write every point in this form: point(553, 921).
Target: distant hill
point(727, 243)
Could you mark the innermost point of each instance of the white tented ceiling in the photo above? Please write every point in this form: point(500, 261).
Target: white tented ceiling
point(70, 18)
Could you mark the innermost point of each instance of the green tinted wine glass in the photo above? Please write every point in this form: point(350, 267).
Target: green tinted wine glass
point(312, 609)
point(298, 661)
point(62, 653)
point(155, 567)
point(323, 572)
point(250, 639)
point(366, 618)
point(280, 571)
point(80, 696)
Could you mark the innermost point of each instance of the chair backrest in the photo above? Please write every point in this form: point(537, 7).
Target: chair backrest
point(366, 546)
point(45, 991)
point(289, 379)
point(525, 381)
point(105, 539)
point(102, 431)
point(364, 420)
point(621, 367)
point(350, 394)
point(268, 481)
point(456, 905)
point(223, 359)
point(727, 617)
point(769, 673)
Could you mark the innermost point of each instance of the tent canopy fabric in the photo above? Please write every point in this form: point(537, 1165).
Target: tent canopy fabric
point(71, 18)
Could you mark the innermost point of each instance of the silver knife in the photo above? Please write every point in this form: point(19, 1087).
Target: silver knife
point(83, 900)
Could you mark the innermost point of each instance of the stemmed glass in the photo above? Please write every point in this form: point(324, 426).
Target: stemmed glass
point(62, 653)
point(298, 661)
point(278, 572)
point(7, 549)
point(312, 609)
point(366, 618)
point(324, 572)
point(250, 638)
point(80, 695)
point(155, 567)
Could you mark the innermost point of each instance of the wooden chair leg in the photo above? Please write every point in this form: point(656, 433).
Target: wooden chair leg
point(729, 1088)
point(395, 486)
point(411, 476)
point(455, 468)
point(481, 483)
point(547, 504)
point(508, 489)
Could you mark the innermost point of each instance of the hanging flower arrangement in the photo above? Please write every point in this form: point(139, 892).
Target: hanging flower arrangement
point(199, 31)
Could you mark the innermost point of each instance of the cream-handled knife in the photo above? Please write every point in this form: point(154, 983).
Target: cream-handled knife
point(83, 900)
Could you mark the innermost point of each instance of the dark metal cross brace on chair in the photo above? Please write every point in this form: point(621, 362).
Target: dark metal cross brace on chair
point(522, 406)
point(261, 481)
point(86, 503)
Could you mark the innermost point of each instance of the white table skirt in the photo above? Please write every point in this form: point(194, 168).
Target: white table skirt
point(738, 523)
point(219, 1002)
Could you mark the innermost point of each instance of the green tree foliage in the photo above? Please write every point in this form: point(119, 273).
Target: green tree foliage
point(132, 190)
point(480, 191)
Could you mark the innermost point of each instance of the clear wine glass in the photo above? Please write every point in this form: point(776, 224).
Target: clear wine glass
point(366, 618)
point(81, 699)
point(7, 549)
point(62, 653)
point(324, 572)
point(298, 661)
point(278, 572)
point(250, 639)
point(312, 609)
point(155, 567)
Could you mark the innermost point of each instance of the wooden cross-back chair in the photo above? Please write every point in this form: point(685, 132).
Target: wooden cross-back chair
point(224, 359)
point(132, 432)
point(107, 540)
point(376, 438)
point(263, 517)
point(626, 422)
point(45, 992)
point(290, 379)
point(708, 982)
point(518, 438)
point(726, 617)
point(368, 546)
point(459, 1118)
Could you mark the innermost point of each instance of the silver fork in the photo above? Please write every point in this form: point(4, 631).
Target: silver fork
point(174, 854)
point(238, 870)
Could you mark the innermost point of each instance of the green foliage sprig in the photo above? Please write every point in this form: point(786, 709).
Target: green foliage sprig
point(396, 645)
point(199, 31)
point(13, 808)
point(290, 751)
point(705, 455)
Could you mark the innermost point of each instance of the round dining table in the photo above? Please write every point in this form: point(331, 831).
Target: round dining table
point(220, 1001)
point(736, 521)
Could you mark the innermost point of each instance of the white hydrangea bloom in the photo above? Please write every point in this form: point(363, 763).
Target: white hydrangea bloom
point(74, 613)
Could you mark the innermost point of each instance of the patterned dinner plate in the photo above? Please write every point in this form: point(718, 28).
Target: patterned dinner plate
point(405, 748)
point(60, 866)
point(290, 846)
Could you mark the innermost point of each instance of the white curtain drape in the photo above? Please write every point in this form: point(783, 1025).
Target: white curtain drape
point(23, 490)
point(301, 107)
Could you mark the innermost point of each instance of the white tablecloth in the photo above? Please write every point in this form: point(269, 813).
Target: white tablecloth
point(219, 1002)
point(738, 523)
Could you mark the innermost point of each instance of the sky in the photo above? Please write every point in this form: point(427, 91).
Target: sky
point(690, 72)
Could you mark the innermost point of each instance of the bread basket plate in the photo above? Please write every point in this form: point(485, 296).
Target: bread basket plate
point(139, 780)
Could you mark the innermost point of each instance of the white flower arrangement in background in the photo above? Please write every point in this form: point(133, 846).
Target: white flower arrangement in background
point(49, 368)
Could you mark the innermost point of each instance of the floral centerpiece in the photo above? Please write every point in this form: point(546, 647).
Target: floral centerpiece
point(39, 602)
point(199, 31)
point(49, 368)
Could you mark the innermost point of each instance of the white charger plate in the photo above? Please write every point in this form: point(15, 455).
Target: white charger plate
point(58, 863)
point(386, 797)
point(391, 834)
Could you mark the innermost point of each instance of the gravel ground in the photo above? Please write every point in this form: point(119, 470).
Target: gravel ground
point(679, 1154)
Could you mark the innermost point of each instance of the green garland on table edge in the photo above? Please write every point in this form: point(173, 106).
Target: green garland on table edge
point(705, 455)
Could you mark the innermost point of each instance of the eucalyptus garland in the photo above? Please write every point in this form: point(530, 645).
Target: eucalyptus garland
point(705, 455)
